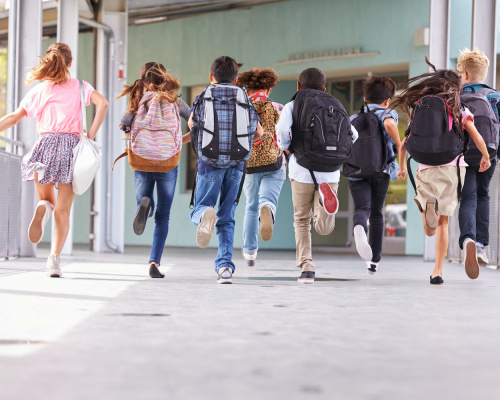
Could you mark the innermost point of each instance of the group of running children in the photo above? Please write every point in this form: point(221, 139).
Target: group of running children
point(244, 140)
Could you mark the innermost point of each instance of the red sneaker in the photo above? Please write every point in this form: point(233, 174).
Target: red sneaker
point(328, 199)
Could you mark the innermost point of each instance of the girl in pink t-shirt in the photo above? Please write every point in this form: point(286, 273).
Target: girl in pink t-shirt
point(55, 102)
point(437, 186)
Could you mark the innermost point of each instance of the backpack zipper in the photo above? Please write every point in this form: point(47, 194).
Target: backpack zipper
point(321, 126)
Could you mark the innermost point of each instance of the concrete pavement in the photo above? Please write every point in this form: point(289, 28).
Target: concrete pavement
point(108, 331)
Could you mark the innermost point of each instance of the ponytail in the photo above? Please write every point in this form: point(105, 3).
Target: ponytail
point(54, 66)
point(136, 90)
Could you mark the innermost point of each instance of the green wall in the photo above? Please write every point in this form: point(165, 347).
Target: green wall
point(264, 36)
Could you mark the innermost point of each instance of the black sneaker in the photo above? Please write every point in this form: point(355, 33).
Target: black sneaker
point(141, 216)
point(154, 272)
point(371, 267)
point(306, 277)
point(225, 275)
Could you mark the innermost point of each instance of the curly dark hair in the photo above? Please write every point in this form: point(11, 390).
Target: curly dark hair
point(444, 83)
point(258, 79)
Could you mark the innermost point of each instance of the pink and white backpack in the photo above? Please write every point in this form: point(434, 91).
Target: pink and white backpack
point(156, 131)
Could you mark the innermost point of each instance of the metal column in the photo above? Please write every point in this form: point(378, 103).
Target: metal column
point(439, 55)
point(110, 186)
point(67, 32)
point(25, 41)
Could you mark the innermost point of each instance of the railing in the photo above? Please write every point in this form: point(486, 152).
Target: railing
point(10, 204)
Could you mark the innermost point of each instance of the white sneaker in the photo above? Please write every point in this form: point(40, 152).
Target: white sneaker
point(43, 212)
point(362, 246)
point(225, 275)
point(371, 267)
point(249, 258)
point(206, 227)
point(482, 256)
point(53, 267)
point(470, 258)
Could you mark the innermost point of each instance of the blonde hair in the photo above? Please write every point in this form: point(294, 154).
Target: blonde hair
point(54, 66)
point(475, 63)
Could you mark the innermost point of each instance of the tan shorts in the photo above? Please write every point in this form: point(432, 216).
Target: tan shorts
point(440, 183)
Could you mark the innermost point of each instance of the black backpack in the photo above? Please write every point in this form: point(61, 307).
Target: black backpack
point(321, 131)
point(369, 151)
point(485, 122)
point(429, 139)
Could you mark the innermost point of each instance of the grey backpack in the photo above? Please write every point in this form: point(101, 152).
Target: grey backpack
point(484, 120)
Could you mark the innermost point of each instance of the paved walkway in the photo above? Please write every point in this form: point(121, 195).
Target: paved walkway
point(107, 331)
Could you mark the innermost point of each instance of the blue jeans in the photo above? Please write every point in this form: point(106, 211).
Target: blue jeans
point(224, 182)
point(261, 189)
point(165, 189)
point(474, 212)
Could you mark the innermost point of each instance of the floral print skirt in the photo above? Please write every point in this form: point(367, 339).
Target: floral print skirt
point(51, 158)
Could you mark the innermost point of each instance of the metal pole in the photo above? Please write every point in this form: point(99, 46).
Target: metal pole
point(109, 126)
point(28, 17)
point(67, 32)
point(439, 33)
point(12, 62)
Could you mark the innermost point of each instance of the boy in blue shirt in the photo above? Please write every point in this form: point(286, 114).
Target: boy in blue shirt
point(474, 213)
point(369, 194)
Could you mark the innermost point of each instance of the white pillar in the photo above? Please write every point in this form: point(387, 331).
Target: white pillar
point(110, 186)
point(67, 32)
point(26, 35)
point(439, 33)
point(484, 28)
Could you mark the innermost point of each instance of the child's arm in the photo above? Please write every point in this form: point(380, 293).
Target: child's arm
point(186, 138)
point(259, 132)
point(102, 108)
point(402, 161)
point(184, 110)
point(12, 119)
point(479, 141)
point(284, 127)
point(392, 130)
point(126, 122)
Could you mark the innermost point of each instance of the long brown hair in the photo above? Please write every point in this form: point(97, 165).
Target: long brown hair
point(444, 83)
point(54, 66)
point(153, 77)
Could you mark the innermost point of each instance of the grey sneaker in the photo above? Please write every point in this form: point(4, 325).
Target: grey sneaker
point(431, 213)
point(482, 256)
point(225, 275)
point(206, 227)
point(249, 258)
point(53, 266)
point(306, 277)
point(470, 258)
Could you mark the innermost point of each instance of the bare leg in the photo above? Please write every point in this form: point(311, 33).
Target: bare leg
point(441, 245)
point(45, 192)
point(65, 198)
point(428, 231)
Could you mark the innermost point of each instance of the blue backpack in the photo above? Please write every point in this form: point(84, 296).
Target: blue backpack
point(224, 124)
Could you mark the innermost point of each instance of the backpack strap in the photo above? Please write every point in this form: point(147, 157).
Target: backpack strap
point(240, 189)
point(459, 186)
point(124, 154)
point(410, 174)
point(316, 187)
point(191, 203)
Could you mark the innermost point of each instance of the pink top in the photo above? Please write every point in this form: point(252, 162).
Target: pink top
point(57, 106)
point(466, 114)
